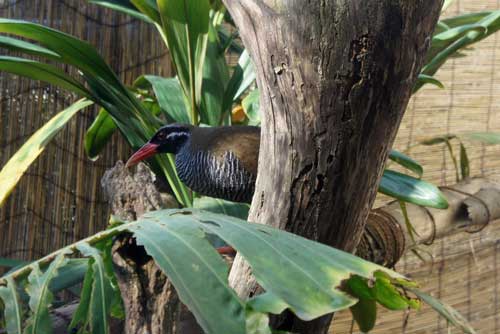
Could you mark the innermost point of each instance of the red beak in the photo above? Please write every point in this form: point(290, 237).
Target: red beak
point(144, 152)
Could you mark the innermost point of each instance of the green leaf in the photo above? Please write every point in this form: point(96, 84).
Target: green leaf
point(15, 44)
point(489, 138)
point(428, 79)
point(185, 28)
point(149, 8)
point(446, 311)
point(81, 315)
point(71, 50)
point(387, 295)
point(445, 140)
point(70, 274)
point(464, 162)
point(243, 76)
point(39, 71)
point(365, 314)
point(215, 80)
point(446, 4)
point(216, 205)
point(437, 140)
point(457, 32)
point(123, 6)
point(40, 295)
point(98, 134)
point(22, 159)
point(102, 291)
point(177, 242)
point(12, 307)
point(245, 66)
point(280, 261)
point(251, 106)
point(447, 43)
point(412, 190)
point(10, 263)
point(283, 263)
point(463, 19)
point(257, 322)
point(268, 302)
point(169, 94)
point(409, 227)
point(406, 162)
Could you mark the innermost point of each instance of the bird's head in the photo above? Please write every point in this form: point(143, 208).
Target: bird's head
point(168, 139)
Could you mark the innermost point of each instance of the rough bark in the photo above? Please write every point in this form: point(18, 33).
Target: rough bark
point(150, 300)
point(335, 78)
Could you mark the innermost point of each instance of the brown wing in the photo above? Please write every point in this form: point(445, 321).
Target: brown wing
point(243, 141)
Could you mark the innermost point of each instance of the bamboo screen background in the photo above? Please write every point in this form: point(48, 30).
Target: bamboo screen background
point(60, 200)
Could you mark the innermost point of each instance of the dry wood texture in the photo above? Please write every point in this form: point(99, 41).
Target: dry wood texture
point(335, 78)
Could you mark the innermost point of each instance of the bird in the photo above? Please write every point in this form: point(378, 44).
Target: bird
point(218, 161)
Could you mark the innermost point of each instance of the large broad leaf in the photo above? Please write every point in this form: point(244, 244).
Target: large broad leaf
point(70, 49)
point(81, 317)
point(10, 263)
point(69, 274)
point(215, 79)
point(22, 159)
point(102, 292)
point(217, 205)
point(12, 307)
point(39, 71)
point(41, 296)
point(412, 190)
point(169, 94)
point(205, 297)
point(281, 262)
point(27, 47)
point(185, 28)
point(282, 265)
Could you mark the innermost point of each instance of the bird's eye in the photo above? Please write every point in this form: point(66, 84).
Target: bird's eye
point(161, 135)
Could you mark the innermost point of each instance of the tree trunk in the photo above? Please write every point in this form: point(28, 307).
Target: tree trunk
point(335, 78)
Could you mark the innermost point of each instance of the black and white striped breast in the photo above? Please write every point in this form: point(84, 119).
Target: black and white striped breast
point(224, 177)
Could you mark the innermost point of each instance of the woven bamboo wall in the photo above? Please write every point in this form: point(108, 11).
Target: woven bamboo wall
point(59, 200)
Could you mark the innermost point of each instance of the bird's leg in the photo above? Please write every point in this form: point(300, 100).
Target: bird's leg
point(226, 250)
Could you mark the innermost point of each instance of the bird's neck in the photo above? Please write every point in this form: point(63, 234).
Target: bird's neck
point(194, 166)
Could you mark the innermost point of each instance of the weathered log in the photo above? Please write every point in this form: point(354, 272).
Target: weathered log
point(473, 203)
point(150, 300)
point(335, 78)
